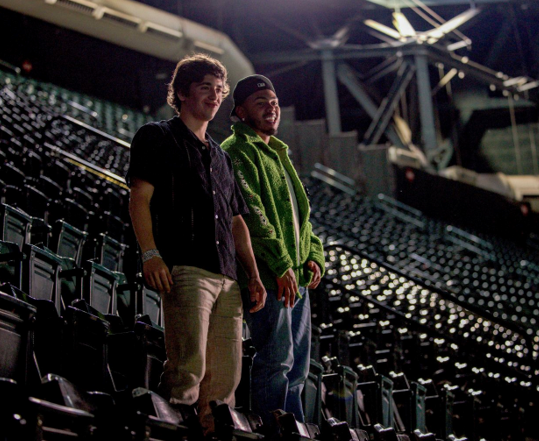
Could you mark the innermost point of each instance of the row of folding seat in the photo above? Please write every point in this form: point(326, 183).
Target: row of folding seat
point(473, 269)
point(112, 118)
point(378, 338)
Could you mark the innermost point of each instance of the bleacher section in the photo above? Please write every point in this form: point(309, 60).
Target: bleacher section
point(422, 330)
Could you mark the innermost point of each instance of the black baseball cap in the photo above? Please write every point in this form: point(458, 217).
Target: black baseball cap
point(247, 86)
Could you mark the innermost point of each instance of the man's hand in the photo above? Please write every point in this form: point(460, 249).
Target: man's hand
point(313, 266)
point(258, 294)
point(157, 275)
point(288, 287)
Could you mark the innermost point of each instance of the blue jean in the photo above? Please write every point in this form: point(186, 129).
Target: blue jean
point(282, 339)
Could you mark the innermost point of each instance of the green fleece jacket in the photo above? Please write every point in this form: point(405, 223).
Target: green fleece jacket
point(260, 171)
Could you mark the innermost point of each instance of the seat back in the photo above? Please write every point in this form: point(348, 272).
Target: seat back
point(85, 357)
point(99, 287)
point(11, 259)
point(109, 252)
point(15, 225)
point(312, 394)
point(15, 338)
point(40, 274)
point(149, 303)
point(68, 241)
point(375, 400)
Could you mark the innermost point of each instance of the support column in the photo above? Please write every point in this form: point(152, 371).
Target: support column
point(333, 114)
point(426, 110)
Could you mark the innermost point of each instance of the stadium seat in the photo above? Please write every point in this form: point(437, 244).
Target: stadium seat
point(68, 241)
point(15, 225)
point(16, 342)
point(40, 274)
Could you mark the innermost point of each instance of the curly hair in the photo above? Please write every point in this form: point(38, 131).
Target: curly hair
point(193, 69)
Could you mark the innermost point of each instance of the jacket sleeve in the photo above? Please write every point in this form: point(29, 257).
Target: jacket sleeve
point(267, 246)
point(317, 253)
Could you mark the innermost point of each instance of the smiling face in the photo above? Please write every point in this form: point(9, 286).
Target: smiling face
point(261, 112)
point(203, 100)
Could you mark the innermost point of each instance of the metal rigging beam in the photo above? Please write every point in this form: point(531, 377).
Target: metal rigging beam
point(389, 103)
point(348, 77)
point(331, 96)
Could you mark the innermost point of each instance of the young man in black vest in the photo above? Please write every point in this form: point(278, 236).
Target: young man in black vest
point(186, 210)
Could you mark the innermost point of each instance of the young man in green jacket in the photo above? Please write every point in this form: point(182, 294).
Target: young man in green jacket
point(289, 256)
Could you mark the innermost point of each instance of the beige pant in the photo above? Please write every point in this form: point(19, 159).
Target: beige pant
point(203, 338)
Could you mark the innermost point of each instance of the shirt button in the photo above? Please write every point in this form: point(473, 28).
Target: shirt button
point(213, 191)
point(217, 242)
point(203, 147)
point(211, 169)
point(216, 216)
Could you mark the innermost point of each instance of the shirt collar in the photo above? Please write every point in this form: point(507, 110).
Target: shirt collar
point(186, 131)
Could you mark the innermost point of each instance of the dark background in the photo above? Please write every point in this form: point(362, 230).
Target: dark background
point(505, 37)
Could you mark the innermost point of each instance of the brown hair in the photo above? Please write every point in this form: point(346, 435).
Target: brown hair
point(193, 69)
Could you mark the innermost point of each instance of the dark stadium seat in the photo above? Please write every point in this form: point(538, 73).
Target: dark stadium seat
point(293, 430)
point(231, 424)
point(13, 175)
point(99, 286)
point(111, 225)
point(243, 391)
point(149, 303)
point(11, 258)
point(85, 352)
point(47, 328)
point(155, 418)
point(68, 241)
point(40, 274)
point(409, 408)
point(108, 252)
point(16, 342)
point(76, 214)
point(36, 203)
point(339, 398)
point(59, 172)
point(312, 394)
point(15, 225)
point(49, 186)
point(136, 357)
point(13, 196)
point(114, 200)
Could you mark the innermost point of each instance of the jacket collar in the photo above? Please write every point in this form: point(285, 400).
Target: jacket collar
point(243, 130)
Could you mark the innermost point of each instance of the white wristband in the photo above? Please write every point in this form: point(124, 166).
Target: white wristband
point(150, 254)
